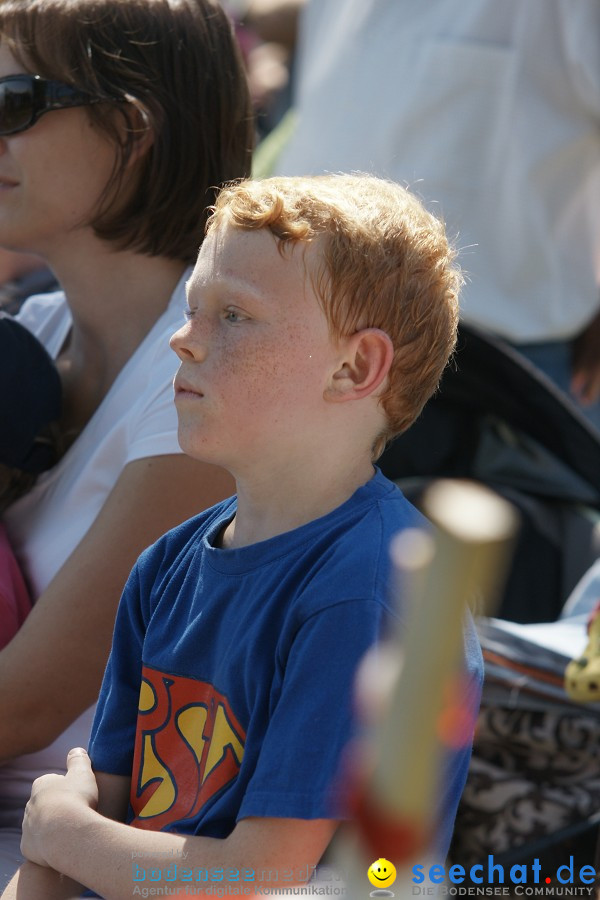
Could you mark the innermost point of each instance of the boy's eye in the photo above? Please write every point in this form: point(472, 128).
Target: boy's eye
point(233, 315)
point(188, 312)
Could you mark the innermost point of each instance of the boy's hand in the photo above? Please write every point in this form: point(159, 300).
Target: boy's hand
point(54, 797)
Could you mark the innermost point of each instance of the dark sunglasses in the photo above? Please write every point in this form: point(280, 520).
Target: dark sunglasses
point(24, 98)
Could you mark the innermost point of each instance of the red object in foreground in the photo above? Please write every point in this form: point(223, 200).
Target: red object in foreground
point(387, 836)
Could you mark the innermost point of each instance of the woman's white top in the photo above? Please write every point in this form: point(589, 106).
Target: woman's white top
point(136, 419)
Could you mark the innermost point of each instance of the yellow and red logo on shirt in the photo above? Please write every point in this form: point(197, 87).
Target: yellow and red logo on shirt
point(188, 745)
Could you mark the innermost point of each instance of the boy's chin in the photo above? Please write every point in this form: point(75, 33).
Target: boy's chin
point(198, 449)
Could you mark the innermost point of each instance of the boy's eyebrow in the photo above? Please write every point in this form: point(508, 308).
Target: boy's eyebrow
point(234, 288)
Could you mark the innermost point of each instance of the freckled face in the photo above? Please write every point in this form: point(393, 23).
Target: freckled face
point(255, 353)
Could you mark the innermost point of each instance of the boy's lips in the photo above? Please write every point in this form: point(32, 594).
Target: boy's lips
point(182, 388)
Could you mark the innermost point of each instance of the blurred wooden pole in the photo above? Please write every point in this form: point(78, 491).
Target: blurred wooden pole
point(464, 560)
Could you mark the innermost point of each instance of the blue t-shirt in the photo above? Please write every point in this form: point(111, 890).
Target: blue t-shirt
point(228, 691)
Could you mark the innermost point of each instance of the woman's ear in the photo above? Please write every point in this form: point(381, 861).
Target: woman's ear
point(137, 123)
point(367, 357)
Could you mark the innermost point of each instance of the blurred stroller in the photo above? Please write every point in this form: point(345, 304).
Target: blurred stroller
point(534, 781)
point(498, 420)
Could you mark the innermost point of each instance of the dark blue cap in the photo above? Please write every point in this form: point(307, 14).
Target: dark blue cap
point(30, 398)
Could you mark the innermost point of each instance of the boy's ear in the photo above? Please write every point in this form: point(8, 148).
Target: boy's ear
point(368, 355)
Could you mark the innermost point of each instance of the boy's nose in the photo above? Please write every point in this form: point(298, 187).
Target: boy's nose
point(186, 346)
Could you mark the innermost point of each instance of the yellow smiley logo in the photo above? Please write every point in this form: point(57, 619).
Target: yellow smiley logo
point(381, 873)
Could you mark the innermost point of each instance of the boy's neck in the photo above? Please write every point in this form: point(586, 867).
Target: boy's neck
point(287, 501)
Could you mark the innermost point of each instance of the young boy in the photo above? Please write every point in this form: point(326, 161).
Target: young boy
point(321, 314)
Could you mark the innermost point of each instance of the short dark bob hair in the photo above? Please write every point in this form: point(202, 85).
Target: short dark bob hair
point(178, 64)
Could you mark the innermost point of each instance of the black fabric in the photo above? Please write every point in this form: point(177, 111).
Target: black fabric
point(31, 398)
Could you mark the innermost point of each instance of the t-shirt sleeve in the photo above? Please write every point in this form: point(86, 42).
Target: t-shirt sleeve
point(113, 732)
point(298, 769)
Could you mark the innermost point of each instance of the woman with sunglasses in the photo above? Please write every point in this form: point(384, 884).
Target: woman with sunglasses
point(117, 121)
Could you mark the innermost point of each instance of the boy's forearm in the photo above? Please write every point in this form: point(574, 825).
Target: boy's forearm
point(63, 830)
point(101, 853)
point(106, 855)
point(34, 882)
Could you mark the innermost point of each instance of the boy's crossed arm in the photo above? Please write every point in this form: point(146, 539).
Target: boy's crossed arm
point(70, 826)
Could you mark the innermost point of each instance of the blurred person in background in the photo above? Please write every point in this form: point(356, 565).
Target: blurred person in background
point(491, 111)
point(266, 32)
point(21, 275)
